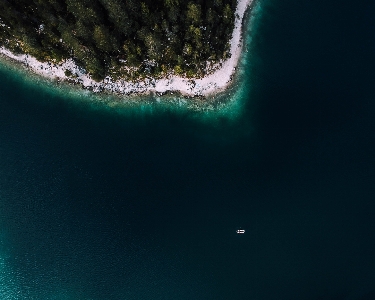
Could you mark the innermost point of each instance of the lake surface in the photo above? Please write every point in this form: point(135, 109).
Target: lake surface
point(107, 203)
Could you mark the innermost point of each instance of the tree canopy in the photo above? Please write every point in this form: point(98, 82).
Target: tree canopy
point(108, 36)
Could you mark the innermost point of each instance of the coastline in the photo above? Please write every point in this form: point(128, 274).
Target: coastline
point(208, 85)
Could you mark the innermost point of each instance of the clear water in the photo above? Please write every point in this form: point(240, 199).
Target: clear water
point(106, 201)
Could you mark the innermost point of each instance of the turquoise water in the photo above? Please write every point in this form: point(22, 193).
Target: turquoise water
point(101, 200)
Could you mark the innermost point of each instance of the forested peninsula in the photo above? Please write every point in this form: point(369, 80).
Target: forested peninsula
point(127, 40)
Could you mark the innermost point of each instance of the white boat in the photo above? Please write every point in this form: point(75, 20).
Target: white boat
point(240, 231)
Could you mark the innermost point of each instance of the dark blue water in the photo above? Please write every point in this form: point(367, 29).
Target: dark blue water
point(100, 203)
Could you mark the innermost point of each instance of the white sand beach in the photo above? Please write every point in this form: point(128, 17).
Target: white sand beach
point(208, 85)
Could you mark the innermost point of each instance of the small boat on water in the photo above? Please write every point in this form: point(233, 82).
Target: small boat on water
point(240, 231)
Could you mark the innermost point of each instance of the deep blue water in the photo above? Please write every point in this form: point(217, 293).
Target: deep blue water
point(103, 203)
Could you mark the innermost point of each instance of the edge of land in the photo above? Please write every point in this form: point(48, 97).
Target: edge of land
point(214, 82)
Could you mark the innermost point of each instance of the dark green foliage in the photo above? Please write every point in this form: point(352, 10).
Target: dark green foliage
point(68, 73)
point(103, 36)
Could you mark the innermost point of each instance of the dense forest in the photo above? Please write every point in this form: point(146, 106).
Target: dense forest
point(126, 38)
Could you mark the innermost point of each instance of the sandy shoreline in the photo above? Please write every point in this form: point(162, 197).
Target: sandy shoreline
point(213, 83)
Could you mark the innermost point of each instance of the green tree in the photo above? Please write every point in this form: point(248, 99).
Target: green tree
point(173, 13)
point(171, 3)
point(193, 13)
point(103, 39)
point(227, 14)
point(95, 67)
point(117, 14)
point(84, 10)
point(145, 12)
point(153, 46)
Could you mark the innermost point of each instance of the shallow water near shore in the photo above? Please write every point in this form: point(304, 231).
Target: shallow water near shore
point(101, 201)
